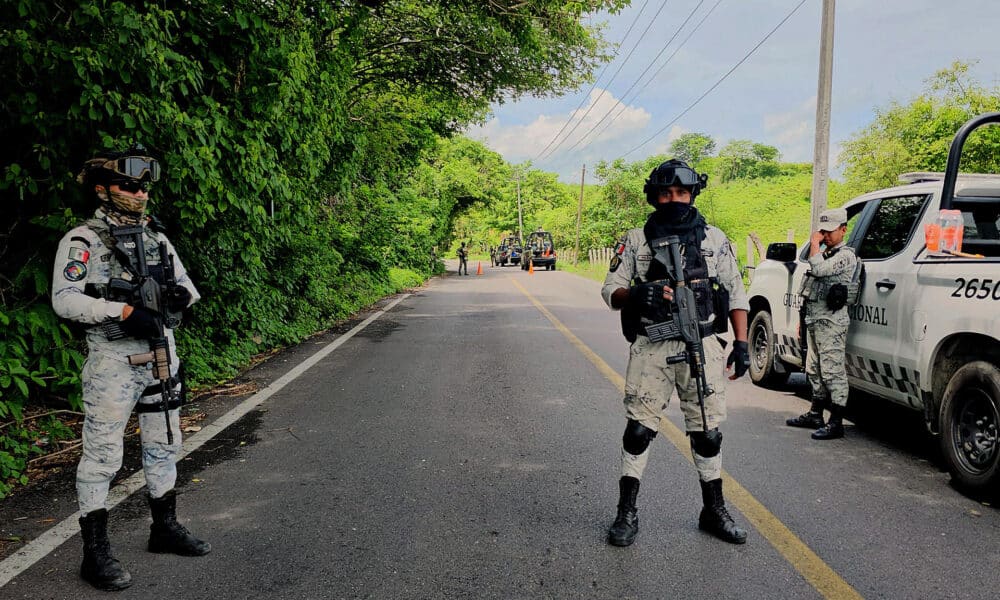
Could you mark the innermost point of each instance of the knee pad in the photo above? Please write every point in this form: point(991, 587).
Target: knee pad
point(707, 444)
point(637, 437)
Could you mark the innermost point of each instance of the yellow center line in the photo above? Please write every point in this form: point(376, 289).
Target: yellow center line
point(826, 581)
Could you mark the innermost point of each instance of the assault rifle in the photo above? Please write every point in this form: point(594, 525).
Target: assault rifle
point(144, 290)
point(684, 308)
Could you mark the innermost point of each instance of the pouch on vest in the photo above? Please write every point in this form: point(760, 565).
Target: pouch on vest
point(836, 296)
point(631, 323)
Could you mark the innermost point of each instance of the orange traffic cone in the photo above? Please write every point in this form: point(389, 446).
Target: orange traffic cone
point(531, 267)
point(479, 269)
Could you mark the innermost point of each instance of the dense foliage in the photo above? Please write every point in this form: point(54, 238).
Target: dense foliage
point(304, 152)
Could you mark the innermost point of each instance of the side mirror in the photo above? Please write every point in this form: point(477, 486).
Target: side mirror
point(781, 252)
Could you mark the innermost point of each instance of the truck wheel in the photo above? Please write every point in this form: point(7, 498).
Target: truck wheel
point(762, 351)
point(970, 416)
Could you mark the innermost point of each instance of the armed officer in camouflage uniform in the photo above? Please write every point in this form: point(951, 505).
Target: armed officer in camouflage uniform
point(824, 294)
point(89, 262)
point(463, 260)
point(637, 285)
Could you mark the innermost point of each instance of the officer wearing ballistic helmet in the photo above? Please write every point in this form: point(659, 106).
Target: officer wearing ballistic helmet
point(97, 266)
point(637, 284)
point(824, 293)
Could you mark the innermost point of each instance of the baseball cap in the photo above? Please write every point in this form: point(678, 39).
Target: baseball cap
point(831, 219)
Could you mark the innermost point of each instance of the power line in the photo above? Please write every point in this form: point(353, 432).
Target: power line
point(594, 103)
point(599, 75)
point(641, 75)
point(728, 73)
point(624, 103)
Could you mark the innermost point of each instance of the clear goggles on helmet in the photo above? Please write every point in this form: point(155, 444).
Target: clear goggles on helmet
point(135, 167)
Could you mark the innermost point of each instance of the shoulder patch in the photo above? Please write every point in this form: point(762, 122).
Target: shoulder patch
point(82, 240)
point(75, 270)
point(616, 262)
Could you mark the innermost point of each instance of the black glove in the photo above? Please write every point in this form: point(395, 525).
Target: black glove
point(741, 356)
point(177, 298)
point(647, 296)
point(141, 323)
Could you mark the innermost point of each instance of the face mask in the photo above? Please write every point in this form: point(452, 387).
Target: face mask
point(673, 211)
point(129, 204)
point(124, 210)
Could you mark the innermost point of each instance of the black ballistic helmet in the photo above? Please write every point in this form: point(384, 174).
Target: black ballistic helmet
point(673, 172)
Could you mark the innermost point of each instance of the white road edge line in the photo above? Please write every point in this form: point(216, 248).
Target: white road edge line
point(38, 548)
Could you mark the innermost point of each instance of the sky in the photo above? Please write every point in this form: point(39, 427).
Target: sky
point(884, 51)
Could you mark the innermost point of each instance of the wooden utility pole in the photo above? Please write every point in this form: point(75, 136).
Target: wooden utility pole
point(821, 153)
point(579, 213)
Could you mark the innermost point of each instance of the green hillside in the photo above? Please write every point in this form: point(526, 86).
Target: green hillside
point(767, 207)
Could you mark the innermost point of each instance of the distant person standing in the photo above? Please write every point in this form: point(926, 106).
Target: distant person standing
point(824, 295)
point(463, 260)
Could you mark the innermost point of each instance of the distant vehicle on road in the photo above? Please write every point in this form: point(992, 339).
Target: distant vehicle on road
point(539, 251)
point(508, 252)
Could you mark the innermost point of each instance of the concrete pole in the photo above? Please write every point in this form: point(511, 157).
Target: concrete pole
point(821, 154)
point(579, 213)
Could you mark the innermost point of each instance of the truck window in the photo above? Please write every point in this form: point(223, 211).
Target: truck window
point(891, 227)
point(982, 228)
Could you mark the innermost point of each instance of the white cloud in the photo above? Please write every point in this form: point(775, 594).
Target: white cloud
point(793, 131)
point(602, 127)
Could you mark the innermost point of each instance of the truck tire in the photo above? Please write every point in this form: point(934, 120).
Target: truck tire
point(762, 352)
point(970, 418)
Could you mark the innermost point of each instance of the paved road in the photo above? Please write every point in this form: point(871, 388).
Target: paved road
point(465, 444)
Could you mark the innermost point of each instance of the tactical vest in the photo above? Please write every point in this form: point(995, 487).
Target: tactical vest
point(710, 301)
point(695, 273)
point(118, 262)
point(816, 289)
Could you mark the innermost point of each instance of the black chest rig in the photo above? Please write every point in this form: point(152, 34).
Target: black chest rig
point(711, 299)
point(691, 232)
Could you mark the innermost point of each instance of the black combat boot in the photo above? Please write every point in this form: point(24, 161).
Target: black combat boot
point(714, 518)
point(166, 535)
point(810, 420)
point(100, 568)
point(626, 525)
point(834, 428)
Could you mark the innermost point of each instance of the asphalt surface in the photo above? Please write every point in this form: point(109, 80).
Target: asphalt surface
point(460, 446)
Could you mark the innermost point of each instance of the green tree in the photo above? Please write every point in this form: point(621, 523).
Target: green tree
point(917, 135)
point(293, 136)
point(745, 159)
point(692, 147)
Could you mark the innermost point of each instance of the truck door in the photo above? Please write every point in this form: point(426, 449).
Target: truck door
point(873, 337)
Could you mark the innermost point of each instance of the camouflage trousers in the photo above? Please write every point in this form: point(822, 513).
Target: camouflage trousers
point(111, 389)
point(826, 346)
point(649, 384)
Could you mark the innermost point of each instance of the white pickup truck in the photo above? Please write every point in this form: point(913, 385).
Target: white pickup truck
point(926, 330)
